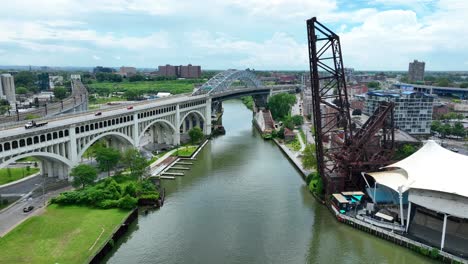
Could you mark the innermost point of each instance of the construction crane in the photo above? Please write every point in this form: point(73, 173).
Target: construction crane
point(343, 150)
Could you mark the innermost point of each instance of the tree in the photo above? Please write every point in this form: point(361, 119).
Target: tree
point(136, 78)
point(21, 90)
point(446, 130)
point(83, 175)
point(60, 93)
point(443, 82)
point(107, 159)
point(196, 134)
point(405, 151)
point(280, 104)
point(132, 94)
point(464, 85)
point(309, 160)
point(288, 122)
point(137, 164)
point(374, 85)
point(26, 79)
point(436, 126)
point(458, 130)
point(298, 120)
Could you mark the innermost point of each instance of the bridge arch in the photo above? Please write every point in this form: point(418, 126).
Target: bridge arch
point(223, 81)
point(44, 155)
point(161, 131)
point(154, 122)
point(100, 136)
point(198, 114)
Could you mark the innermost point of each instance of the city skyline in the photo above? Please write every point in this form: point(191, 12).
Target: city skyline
point(265, 35)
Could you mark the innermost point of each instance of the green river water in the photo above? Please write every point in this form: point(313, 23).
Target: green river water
point(244, 202)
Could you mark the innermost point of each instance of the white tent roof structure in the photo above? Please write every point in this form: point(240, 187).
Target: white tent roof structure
point(430, 168)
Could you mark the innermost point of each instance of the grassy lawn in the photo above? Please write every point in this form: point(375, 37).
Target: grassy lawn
point(294, 145)
point(173, 86)
point(63, 234)
point(185, 151)
point(15, 174)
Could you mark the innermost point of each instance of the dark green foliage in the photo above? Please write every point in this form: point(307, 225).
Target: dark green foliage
point(132, 95)
point(248, 101)
point(83, 175)
point(111, 77)
point(136, 78)
point(21, 90)
point(108, 193)
point(60, 93)
point(280, 105)
point(298, 120)
point(281, 133)
point(464, 85)
point(196, 134)
point(127, 202)
point(374, 85)
point(131, 189)
point(308, 160)
point(288, 122)
point(404, 151)
point(316, 184)
point(137, 164)
point(107, 158)
point(26, 79)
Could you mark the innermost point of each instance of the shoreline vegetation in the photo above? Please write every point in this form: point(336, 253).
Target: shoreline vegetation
point(62, 234)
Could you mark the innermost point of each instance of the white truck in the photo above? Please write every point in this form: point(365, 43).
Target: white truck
point(33, 124)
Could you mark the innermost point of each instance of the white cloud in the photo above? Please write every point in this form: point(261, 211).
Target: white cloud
point(95, 57)
point(390, 39)
point(280, 51)
point(28, 32)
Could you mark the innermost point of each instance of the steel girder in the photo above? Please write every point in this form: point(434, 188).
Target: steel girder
point(222, 81)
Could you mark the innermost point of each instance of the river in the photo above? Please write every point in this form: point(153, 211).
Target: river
point(243, 202)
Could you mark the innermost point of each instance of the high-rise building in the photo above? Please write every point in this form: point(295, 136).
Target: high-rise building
point(8, 89)
point(416, 71)
point(412, 113)
point(127, 71)
point(188, 71)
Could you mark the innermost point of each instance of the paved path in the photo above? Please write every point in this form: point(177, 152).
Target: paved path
point(301, 141)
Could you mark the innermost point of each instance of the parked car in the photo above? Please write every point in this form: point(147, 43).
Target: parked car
point(98, 113)
point(130, 107)
point(28, 209)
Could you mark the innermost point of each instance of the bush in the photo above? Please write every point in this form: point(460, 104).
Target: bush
point(131, 189)
point(127, 202)
point(107, 204)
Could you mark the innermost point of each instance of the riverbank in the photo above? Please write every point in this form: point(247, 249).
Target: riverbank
point(244, 202)
point(62, 234)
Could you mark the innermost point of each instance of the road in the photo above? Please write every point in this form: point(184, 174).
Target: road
point(61, 121)
point(14, 215)
point(23, 187)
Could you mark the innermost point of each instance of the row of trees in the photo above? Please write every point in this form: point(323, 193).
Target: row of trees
point(446, 129)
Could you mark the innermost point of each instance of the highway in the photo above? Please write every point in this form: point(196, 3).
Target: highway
point(65, 120)
point(75, 99)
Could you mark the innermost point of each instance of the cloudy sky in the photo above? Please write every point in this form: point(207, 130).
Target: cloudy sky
point(221, 34)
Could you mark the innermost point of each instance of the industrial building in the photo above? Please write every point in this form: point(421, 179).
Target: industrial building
point(189, 71)
point(430, 188)
point(7, 89)
point(413, 110)
point(416, 71)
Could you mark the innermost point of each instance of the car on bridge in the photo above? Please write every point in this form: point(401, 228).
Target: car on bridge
point(98, 113)
point(130, 107)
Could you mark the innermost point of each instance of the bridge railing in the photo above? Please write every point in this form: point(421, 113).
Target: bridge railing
point(16, 124)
